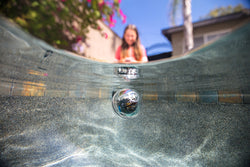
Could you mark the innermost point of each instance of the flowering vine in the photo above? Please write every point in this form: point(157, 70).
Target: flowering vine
point(108, 15)
point(61, 22)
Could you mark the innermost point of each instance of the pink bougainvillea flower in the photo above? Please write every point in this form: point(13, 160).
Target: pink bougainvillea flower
point(78, 38)
point(89, 1)
point(124, 17)
point(111, 25)
point(105, 35)
point(111, 18)
point(119, 1)
point(112, 21)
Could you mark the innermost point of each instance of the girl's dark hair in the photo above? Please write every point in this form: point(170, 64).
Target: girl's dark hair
point(136, 45)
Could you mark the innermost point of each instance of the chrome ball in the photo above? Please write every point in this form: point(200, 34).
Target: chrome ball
point(126, 103)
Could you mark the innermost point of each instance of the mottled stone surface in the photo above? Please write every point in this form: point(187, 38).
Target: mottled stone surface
point(38, 131)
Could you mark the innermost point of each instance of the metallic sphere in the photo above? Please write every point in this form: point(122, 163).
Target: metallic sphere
point(125, 103)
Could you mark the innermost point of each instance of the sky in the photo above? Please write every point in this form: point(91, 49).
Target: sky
point(152, 16)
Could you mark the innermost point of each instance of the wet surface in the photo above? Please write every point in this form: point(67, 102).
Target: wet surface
point(56, 108)
point(38, 131)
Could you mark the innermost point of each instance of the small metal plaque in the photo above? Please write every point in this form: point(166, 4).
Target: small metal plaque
point(127, 72)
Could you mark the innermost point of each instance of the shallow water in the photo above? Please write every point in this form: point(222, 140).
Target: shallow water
point(56, 107)
point(38, 131)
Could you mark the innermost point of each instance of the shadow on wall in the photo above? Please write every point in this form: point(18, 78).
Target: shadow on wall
point(160, 56)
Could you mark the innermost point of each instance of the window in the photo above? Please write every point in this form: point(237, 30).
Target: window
point(198, 41)
point(206, 37)
point(215, 35)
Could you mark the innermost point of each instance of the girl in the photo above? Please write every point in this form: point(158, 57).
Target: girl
point(131, 50)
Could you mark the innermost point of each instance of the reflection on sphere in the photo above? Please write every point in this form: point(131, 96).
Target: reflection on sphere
point(125, 103)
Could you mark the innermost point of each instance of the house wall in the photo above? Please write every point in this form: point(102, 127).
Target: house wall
point(178, 38)
point(177, 43)
point(100, 46)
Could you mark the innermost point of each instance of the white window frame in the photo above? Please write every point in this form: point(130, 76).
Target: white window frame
point(205, 36)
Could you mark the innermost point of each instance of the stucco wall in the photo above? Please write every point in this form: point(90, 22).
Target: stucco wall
point(101, 46)
point(178, 41)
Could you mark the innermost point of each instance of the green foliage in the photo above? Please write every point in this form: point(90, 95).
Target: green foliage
point(59, 22)
point(222, 11)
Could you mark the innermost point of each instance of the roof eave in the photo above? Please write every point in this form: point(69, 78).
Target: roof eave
point(168, 32)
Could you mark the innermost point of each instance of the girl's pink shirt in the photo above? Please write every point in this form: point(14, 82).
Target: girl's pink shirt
point(131, 56)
